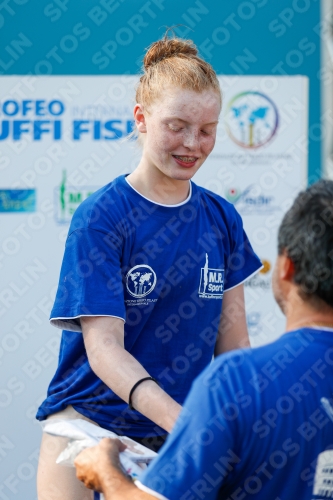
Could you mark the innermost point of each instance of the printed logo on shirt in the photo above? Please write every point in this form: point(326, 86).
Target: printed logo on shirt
point(327, 407)
point(140, 281)
point(211, 282)
point(323, 482)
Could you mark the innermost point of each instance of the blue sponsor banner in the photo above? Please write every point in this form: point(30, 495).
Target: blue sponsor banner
point(17, 200)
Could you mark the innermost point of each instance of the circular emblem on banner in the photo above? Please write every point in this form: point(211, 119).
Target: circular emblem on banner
point(267, 266)
point(251, 119)
point(140, 280)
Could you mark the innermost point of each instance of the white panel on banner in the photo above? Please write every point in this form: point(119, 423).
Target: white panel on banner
point(63, 137)
point(259, 163)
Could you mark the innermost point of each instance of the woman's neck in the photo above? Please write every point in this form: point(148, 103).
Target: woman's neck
point(156, 186)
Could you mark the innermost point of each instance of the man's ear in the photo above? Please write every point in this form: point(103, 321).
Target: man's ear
point(287, 268)
point(139, 118)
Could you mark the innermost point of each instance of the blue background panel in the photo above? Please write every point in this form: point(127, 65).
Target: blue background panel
point(109, 37)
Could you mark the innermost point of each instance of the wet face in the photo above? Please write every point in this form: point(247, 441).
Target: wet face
point(180, 131)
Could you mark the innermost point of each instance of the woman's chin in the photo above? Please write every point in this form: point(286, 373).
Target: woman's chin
point(179, 173)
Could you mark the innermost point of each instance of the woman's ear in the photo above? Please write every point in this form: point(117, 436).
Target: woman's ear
point(139, 118)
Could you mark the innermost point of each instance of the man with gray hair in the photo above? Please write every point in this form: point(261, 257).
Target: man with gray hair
point(258, 423)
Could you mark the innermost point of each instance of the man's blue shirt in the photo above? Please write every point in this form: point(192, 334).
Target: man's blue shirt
point(253, 426)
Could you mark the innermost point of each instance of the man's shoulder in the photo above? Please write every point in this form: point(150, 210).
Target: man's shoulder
point(238, 366)
point(279, 360)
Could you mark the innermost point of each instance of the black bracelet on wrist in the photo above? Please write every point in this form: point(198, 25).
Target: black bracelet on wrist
point(135, 386)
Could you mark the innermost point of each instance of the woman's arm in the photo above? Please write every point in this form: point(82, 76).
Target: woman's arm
point(119, 370)
point(232, 331)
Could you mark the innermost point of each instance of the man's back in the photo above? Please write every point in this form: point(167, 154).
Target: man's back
point(254, 425)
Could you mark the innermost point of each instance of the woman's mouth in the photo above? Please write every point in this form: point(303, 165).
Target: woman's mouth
point(185, 161)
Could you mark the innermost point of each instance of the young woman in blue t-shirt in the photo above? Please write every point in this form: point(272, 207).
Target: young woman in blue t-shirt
point(148, 259)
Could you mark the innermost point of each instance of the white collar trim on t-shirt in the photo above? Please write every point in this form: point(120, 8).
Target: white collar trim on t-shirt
point(162, 204)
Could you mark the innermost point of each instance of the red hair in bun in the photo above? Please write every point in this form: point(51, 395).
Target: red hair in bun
point(174, 62)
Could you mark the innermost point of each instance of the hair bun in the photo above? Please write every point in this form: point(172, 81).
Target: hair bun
point(166, 48)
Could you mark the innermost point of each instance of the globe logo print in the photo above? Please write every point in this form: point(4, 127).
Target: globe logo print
point(140, 280)
point(251, 119)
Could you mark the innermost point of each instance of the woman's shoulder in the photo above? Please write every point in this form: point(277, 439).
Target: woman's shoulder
point(102, 208)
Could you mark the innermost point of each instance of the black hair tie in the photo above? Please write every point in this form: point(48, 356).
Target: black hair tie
point(135, 386)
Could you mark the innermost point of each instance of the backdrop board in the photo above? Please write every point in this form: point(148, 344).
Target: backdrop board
point(260, 163)
point(63, 137)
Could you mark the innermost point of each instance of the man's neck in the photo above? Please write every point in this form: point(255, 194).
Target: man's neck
point(304, 313)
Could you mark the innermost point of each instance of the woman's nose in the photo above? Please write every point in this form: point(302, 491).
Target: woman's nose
point(191, 140)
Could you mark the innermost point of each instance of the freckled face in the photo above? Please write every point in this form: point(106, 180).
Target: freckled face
point(181, 131)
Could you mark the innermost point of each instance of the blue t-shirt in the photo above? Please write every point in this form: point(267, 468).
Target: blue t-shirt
point(163, 269)
point(257, 423)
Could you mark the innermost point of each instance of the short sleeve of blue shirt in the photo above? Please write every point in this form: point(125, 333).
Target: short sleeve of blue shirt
point(90, 281)
point(242, 261)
